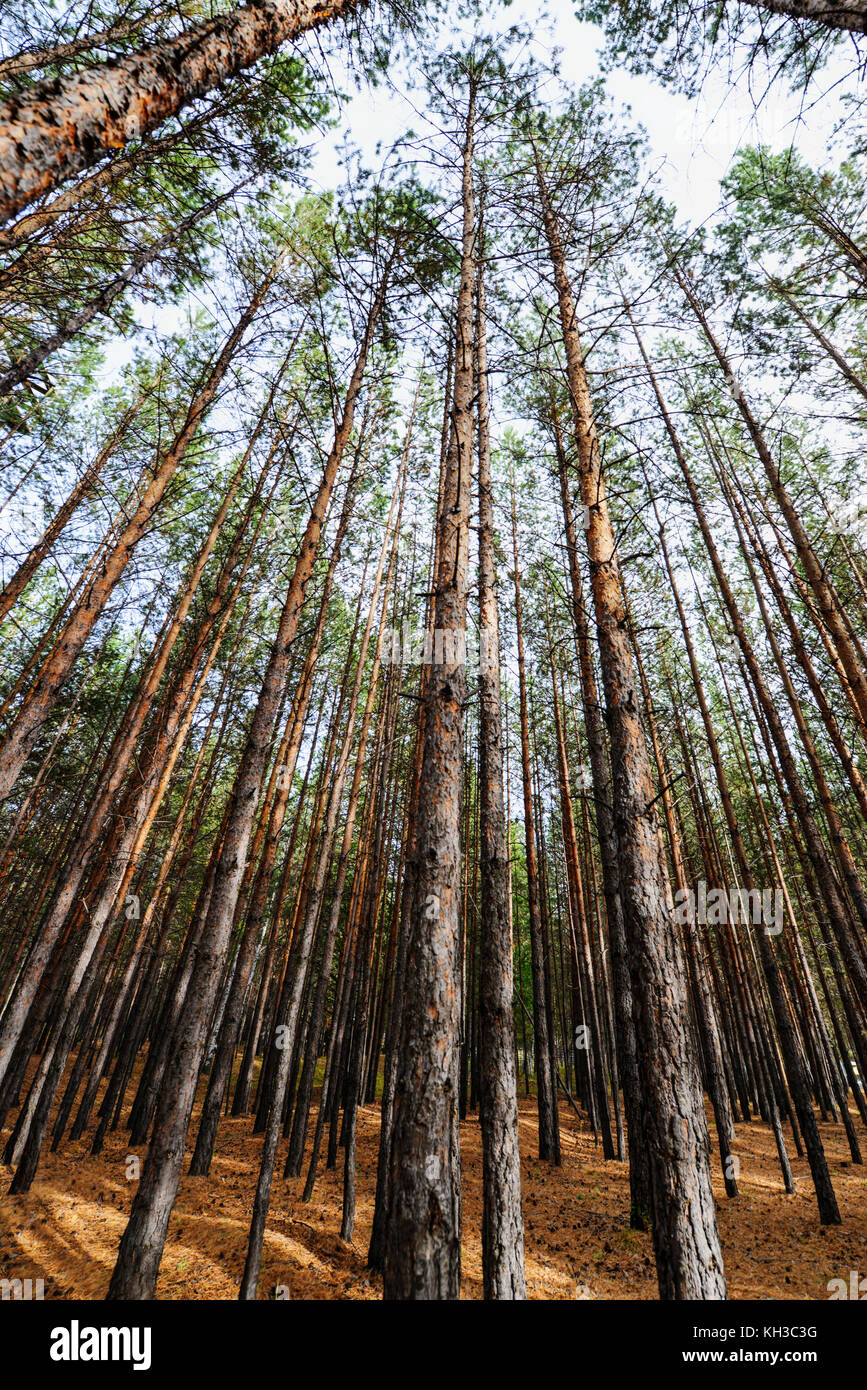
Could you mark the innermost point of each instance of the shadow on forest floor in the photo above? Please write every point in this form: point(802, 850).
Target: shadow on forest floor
point(578, 1242)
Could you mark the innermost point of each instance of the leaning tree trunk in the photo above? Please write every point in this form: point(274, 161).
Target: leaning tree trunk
point(18, 582)
point(141, 1246)
point(282, 778)
point(25, 366)
point(118, 761)
point(67, 648)
point(64, 124)
point(849, 15)
point(826, 600)
point(795, 1072)
point(291, 1018)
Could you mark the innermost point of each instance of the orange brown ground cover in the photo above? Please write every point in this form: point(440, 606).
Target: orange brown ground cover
point(578, 1241)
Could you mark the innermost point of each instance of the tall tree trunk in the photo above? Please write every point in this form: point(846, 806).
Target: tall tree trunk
point(282, 777)
point(119, 758)
point(829, 1213)
point(423, 1237)
point(502, 1219)
point(686, 1241)
point(826, 600)
point(546, 1083)
point(16, 585)
point(639, 1171)
point(291, 1019)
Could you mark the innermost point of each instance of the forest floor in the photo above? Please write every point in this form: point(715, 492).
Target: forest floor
point(578, 1241)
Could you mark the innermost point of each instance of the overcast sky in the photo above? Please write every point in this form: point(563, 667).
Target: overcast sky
point(693, 140)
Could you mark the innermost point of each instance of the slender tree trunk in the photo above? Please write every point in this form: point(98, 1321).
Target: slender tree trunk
point(639, 1171)
point(546, 1085)
point(29, 59)
point(828, 1210)
point(25, 366)
point(118, 761)
point(16, 585)
point(502, 1219)
point(57, 666)
point(686, 1240)
point(313, 905)
point(814, 570)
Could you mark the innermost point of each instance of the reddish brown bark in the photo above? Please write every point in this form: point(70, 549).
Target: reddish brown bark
point(686, 1240)
point(65, 124)
point(78, 626)
point(141, 1247)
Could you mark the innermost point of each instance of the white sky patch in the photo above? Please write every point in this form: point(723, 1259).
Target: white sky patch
point(693, 139)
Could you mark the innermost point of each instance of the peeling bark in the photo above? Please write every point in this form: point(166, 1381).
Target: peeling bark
point(66, 124)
